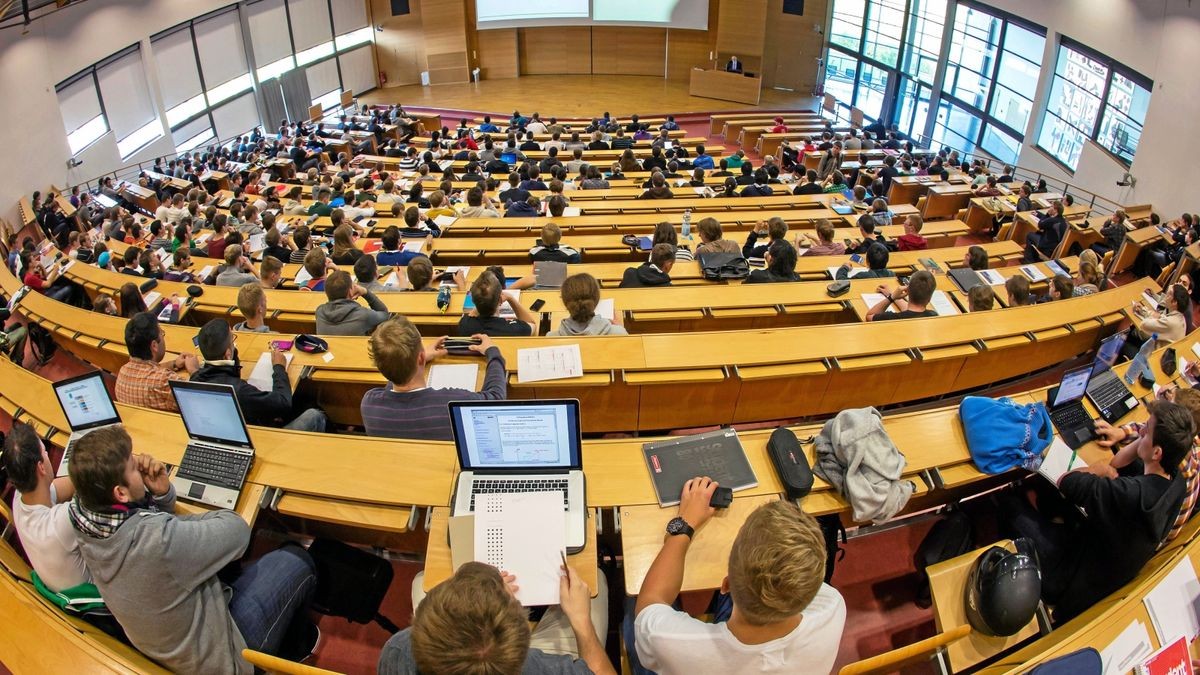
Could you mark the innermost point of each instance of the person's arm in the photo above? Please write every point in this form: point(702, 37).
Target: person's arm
point(575, 601)
point(64, 489)
point(523, 313)
point(665, 576)
point(195, 548)
point(495, 379)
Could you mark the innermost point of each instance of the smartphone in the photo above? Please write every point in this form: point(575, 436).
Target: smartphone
point(537, 304)
point(196, 341)
point(282, 345)
point(848, 243)
point(856, 258)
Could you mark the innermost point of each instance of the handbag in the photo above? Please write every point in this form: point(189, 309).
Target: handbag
point(718, 266)
point(1002, 434)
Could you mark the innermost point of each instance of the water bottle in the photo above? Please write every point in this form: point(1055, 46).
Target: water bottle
point(1141, 362)
point(687, 224)
point(443, 298)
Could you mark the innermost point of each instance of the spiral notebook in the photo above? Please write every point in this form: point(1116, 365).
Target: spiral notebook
point(716, 454)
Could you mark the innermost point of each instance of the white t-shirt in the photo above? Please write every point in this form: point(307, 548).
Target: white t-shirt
point(673, 642)
point(49, 540)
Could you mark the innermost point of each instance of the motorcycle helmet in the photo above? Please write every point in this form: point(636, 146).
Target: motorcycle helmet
point(1004, 589)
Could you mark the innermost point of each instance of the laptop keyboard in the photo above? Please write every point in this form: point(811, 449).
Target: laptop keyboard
point(214, 466)
point(479, 487)
point(1071, 417)
point(1109, 393)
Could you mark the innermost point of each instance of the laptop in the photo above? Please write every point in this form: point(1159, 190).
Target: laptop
point(1105, 390)
point(1065, 403)
point(219, 452)
point(87, 406)
point(521, 446)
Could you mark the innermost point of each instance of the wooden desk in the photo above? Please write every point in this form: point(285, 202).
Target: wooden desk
point(945, 201)
point(1134, 242)
point(725, 86)
point(717, 122)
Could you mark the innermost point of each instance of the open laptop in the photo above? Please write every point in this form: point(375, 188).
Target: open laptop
point(1065, 403)
point(1105, 390)
point(87, 406)
point(521, 446)
point(219, 452)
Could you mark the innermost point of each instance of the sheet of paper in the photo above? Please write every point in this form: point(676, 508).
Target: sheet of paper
point(549, 363)
point(872, 299)
point(992, 277)
point(414, 246)
point(505, 310)
point(1057, 267)
point(204, 272)
point(303, 277)
point(1033, 272)
point(943, 305)
point(163, 255)
point(1128, 650)
point(525, 535)
point(854, 271)
point(257, 242)
point(1196, 349)
point(151, 299)
point(1058, 460)
point(454, 376)
point(262, 377)
point(1174, 604)
point(444, 221)
point(605, 308)
point(462, 540)
point(572, 211)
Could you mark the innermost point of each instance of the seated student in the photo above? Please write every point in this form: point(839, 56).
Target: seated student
point(656, 272)
point(391, 251)
point(143, 379)
point(711, 240)
point(981, 298)
point(910, 301)
point(775, 229)
point(1017, 288)
point(181, 262)
point(1130, 504)
point(218, 346)
point(252, 303)
point(774, 614)
point(302, 238)
point(877, 262)
point(912, 240)
point(39, 511)
point(664, 233)
point(530, 208)
point(781, 264)
point(580, 295)
point(238, 268)
point(270, 273)
point(317, 266)
point(1051, 229)
point(1113, 231)
point(824, 243)
point(658, 188)
point(1170, 325)
point(1061, 286)
point(157, 572)
point(835, 183)
point(342, 315)
point(976, 258)
point(479, 205)
point(747, 177)
point(344, 251)
point(487, 295)
point(366, 274)
point(1089, 279)
point(723, 169)
point(472, 623)
point(550, 249)
point(759, 188)
point(868, 229)
point(406, 407)
point(421, 278)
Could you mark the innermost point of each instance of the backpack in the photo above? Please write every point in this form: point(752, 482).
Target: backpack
point(949, 538)
point(718, 266)
point(832, 528)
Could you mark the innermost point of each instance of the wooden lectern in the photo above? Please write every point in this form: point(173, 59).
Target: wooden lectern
point(726, 86)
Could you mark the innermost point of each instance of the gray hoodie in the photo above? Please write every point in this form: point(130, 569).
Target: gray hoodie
point(157, 574)
point(347, 317)
point(597, 326)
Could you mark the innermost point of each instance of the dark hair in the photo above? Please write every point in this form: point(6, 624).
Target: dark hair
point(1174, 431)
point(214, 339)
point(485, 293)
point(140, 331)
point(977, 258)
point(783, 258)
point(391, 238)
point(921, 286)
point(22, 454)
point(97, 465)
point(365, 269)
point(877, 257)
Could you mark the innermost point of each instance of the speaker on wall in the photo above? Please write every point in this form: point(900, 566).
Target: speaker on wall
point(400, 7)
point(789, 7)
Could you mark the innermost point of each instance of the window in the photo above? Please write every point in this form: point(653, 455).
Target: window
point(196, 141)
point(1093, 98)
point(956, 127)
point(83, 117)
point(186, 110)
point(127, 105)
point(317, 53)
point(840, 74)
point(230, 89)
point(87, 134)
point(926, 23)
point(885, 20)
point(845, 30)
point(139, 139)
point(872, 85)
point(354, 38)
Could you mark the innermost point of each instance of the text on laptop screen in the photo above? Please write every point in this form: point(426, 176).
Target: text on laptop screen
point(1110, 349)
point(86, 402)
point(211, 414)
point(533, 436)
point(1074, 385)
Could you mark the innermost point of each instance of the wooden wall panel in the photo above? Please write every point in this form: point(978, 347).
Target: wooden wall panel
point(792, 46)
point(687, 49)
point(557, 50)
point(628, 51)
point(498, 56)
point(400, 47)
point(741, 30)
point(444, 23)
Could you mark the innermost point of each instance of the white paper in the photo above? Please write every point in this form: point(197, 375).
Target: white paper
point(201, 239)
point(943, 305)
point(256, 242)
point(204, 272)
point(392, 281)
point(327, 357)
point(572, 211)
point(1130, 649)
point(991, 277)
point(163, 254)
point(699, 190)
point(872, 299)
point(1058, 460)
point(1033, 273)
point(605, 309)
point(444, 221)
point(549, 363)
point(303, 277)
point(414, 246)
point(151, 299)
point(854, 271)
point(1174, 604)
point(1057, 268)
point(262, 377)
point(454, 376)
point(523, 534)
point(1150, 300)
point(1196, 348)
point(505, 310)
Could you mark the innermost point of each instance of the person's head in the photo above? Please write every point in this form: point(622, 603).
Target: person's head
point(551, 234)
point(777, 228)
point(860, 193)
point(776, 564)
point(252, 301)
point(338, 285)
point(1017, 288)
point(709, 229)
point(781, 258)
point(104, 304)
point(314, 263)
point(825, 231)
point(877, 257)
point(976, 258)
point(1061, 287)
point(981, 298)
point(921, 286)
point(216, 341)
point(913, 224)
point(131, 300)
point(1089, 273)
point(366, 270)
point(104, 470)
point(420, 273)
point(1178, 299)
point(470, 623)
point(144, 339)
point(580, 294)
point(485, 293)
point(1171, 429)
point(25, 459)
point(270, 270)
point(866, 224)
point(662, 256)
point(556, 205)
point(233, 255)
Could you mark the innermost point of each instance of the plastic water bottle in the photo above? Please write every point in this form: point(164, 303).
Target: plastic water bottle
point(443, 298)
point(1141, 362)
point(687, 224)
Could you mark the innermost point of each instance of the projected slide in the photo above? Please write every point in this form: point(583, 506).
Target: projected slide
point(674, 12)
point(688, 14)
point(524, 10)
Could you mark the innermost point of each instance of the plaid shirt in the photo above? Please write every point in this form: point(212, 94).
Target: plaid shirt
point(1191, 473)
point(144, 383)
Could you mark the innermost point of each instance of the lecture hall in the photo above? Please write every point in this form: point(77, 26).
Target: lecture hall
point(506, 337)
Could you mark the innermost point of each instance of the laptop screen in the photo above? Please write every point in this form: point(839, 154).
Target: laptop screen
point(517, 435)
point(1073, 386)
point(211, 413)
point(1110, 349)
point(85, 402)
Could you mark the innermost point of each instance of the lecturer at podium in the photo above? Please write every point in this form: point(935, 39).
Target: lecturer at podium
point(734, 65)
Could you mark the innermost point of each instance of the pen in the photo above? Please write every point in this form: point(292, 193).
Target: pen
point(1074, 454)
point(566, 570)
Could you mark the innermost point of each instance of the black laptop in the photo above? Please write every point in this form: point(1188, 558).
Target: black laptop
point(1105, 389)
point(1065, 403)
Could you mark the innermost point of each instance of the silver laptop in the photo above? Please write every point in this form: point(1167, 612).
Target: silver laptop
point(87, 406)
point(521, 446)
point(219, 452)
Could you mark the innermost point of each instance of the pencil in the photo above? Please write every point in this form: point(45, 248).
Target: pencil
point(1074, 454)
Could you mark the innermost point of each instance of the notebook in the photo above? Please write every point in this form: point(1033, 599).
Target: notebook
point(716, 454)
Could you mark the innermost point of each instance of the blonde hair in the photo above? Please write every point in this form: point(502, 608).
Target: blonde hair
point(981, 298)
point(777, 563)
point(551, 234)
point(393, 347)
point(343, 240)
point(314, 262)
point(250, 298)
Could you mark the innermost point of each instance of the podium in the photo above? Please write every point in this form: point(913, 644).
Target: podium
point(725, 86)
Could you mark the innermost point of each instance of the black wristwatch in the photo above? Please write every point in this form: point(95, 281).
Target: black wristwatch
point(680, 526)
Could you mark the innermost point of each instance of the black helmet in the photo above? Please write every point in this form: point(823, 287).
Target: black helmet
point(1004, 589)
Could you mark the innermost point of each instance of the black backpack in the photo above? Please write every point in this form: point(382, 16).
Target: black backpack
point(718, 266)
point(949, 537)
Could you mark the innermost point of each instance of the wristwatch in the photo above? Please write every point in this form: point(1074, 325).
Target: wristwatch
point(680, 526)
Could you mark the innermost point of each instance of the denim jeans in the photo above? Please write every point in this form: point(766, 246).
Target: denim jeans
point(309, 420)
point(270, 593)
point(722, 606)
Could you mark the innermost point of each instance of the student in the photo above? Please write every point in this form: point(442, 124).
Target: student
point(912, 240)
point(1089, 278)
point(656, 272)
point(406, 407)
point(1061, 286)
point(981, 298)
point(420, 276)
point(658, 188)
point(664, 233)
point(238, 268)
point(1017, 288)
point(976, 258)
point(317, 265)
point(580, 295)
point(824, 243)
point(774, 614)
point(711, 240)
point(550, 249)
point(1051, 229)
point(391, 252)
point(157, 572)
point(252, 303)
point(218, 346)
point(810, 186)
point(775, 229)
point(759, 188)
point(1130, 504)
point(270, 273)
point(143, 380)
point(868, 228)
point(302, 238)
point(487, 295)
point(781, 264)
point(911, 301)
point(342, 315)
point(1170, 325)
point(877, 262)
point(39, 511)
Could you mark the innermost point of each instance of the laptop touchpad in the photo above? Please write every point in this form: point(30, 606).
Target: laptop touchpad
point(196, 491)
